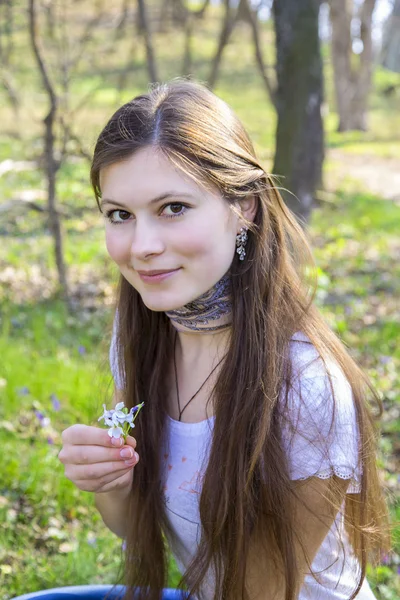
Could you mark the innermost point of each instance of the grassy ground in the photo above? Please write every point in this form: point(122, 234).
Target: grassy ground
point(53, 369)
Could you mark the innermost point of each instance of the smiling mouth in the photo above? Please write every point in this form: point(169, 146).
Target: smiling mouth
point(157, 276)
point(151, 273)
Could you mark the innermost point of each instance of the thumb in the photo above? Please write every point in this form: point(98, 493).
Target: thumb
point(130, 441)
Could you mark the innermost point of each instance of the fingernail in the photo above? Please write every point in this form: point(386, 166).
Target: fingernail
point(118, 442)
point(132, 461)
point(126, 453)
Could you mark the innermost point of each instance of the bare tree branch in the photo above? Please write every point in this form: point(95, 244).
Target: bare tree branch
point(228, 25)
point(151, 62)
point(245, 12)
point(51, 164)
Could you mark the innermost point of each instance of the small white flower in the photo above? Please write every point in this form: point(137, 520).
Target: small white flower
point(130, 416)
point(119, 419)
point(118, 416)
point(115, 432)
point(107, 414)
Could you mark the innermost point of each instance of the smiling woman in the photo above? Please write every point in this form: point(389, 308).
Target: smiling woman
point(185, 246)
point(263, 482)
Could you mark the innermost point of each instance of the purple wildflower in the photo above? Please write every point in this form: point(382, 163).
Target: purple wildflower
point(91, 539)
point(55, 402)
point(123, 546)
point(81, 350)
point(24, 391)
point(43, 420)
point(50, 441)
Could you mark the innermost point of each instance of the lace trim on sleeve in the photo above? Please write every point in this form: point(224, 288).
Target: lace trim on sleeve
point(340, 471)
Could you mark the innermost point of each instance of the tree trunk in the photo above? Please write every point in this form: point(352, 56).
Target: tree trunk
point(50, 161)
point(341, 17)
point(6, 32)
point(250, 16)
point(299, 136)
point(364, 75)
point(192, 17)
point(226, 30)
point(151, 62)
point(390, 53)
point(352, 74)
point(187, 53)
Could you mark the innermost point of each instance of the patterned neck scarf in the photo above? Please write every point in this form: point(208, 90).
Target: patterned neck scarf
point(212, 311)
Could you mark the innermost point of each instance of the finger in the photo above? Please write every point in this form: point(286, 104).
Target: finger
point(87, 455)
point(89, 435)
point(131, 441)
point(97, 471)
point(106, 484)
point(119, 442)
point(85, 435)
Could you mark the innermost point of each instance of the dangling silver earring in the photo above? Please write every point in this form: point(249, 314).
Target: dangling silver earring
point(241, 240)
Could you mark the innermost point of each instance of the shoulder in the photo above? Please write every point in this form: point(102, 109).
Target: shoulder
point(308, 363)
point(319, 422)
point(318, 387)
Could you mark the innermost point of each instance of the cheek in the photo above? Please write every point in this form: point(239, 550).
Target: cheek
point(115, 244)
point(193, 244)
point(208, 242)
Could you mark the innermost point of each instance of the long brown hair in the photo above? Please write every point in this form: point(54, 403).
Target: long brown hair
point(246, 487)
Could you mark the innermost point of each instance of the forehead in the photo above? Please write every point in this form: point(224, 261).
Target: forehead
point(145, 175)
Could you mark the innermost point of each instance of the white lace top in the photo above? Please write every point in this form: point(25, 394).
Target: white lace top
point(313, 450)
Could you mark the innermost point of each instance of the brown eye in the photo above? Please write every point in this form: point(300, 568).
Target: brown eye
point(176, 208)
point(117, 216)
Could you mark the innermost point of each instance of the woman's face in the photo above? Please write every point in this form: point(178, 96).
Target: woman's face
point(161, 220)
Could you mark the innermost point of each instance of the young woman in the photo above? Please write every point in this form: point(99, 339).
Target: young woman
point(257, 445)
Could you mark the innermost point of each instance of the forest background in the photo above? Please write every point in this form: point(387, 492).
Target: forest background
point(65, 68)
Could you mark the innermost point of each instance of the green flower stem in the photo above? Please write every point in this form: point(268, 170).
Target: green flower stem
point(126, 426)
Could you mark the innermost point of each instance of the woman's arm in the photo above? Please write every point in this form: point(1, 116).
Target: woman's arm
point(113, 505)
point(265, 582)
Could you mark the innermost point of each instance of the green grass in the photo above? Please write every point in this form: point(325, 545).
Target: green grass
point(51, 533)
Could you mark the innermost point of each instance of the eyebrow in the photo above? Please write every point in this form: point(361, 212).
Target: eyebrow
point(152, 201)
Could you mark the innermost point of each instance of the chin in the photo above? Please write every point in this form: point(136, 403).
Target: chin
point(158, 304)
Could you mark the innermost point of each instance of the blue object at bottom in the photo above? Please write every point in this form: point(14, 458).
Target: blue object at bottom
point(94, 592)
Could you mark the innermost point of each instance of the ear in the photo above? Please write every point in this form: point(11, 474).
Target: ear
point(248, 207)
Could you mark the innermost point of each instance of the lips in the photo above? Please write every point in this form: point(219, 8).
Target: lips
point(159, 272)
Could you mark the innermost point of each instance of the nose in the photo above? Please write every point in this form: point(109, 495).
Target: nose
point(146, 242)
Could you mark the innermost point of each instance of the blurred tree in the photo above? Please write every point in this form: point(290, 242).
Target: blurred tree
point(352, 60)
point(148, 40)
point(192, 16)
point(58, 49)
point(243, 11)
point(51, 163)
point(390, 56)
point(299, 136)
point(7, 22)
point(6, 30)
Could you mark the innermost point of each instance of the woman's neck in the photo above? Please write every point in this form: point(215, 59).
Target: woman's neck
point(204, 325)
point(210, 313)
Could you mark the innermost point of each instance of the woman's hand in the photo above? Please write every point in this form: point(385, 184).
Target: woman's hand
point(94, 462)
